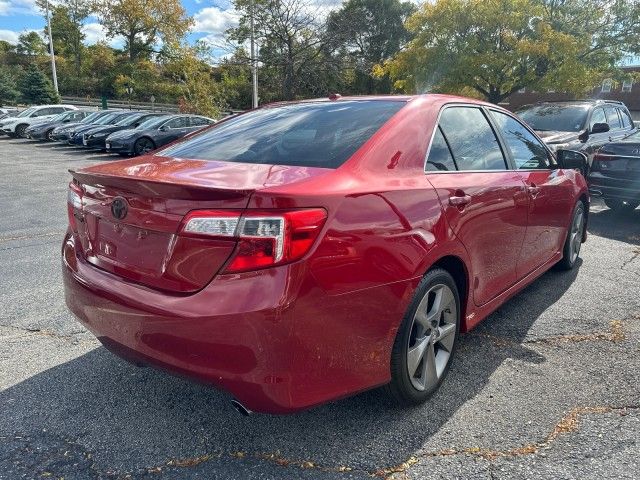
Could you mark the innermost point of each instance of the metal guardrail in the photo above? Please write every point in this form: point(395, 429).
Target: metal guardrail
point(120, 104)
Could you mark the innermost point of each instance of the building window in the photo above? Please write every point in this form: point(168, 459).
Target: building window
point(551, 90)
point(522, 90)
point(606, 85)
point(626, 85)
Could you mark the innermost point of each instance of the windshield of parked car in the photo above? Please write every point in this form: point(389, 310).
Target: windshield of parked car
point(109, 119)
point(316, 134)
point(555, 118)
point(128, 120)
point(153, 122)
point(92, 117)
point(26, 112)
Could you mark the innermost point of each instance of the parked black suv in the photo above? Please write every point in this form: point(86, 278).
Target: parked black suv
point(583, 125)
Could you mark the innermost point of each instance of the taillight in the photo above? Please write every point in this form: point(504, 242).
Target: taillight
point(74, 201)
point(265, 238)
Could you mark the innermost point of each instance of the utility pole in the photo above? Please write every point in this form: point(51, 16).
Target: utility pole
point(53, 56)
point(254, 63)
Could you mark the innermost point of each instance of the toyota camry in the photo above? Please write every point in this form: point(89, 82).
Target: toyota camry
point(303, 252)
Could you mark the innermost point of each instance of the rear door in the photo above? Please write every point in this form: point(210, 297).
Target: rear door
point(616, 131)
point(596, 140)
point(175, 128)
point(548, 190)
point(484, 201)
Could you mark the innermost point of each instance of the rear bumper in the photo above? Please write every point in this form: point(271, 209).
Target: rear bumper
point(254, 335)
point(614, 188)
point(118, 147)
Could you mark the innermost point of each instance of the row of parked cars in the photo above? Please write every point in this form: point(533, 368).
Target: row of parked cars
point(605, 131)
point(118, 131)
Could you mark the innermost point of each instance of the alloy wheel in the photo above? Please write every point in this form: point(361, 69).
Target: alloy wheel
point(432, 337)
point(143, 146)
point(576, 234)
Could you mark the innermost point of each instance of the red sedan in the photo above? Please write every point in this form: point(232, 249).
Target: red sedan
point(303, 252)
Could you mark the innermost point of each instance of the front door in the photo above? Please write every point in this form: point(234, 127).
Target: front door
point(485, 203)
point(548, 189)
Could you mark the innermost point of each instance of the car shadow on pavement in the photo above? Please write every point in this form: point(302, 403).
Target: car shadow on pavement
point(621, 226)
point(132, 419)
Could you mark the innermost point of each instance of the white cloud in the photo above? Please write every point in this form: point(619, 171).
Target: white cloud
point(94, 33)
point(24, 7)
point(214, 22)
point(9, 36)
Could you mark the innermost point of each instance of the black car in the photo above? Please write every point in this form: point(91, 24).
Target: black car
point(615, 173)
point(155, 133)
point(95, 137)
point(77, 134)
point(584, 125)
point(62, 133)
point(44, 130)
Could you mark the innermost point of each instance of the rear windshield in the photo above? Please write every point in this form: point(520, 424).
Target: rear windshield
point(555, 118)
point(306, 134)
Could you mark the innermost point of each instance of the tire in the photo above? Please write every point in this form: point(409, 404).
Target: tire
point(20, 130)
point(143, 145)
point(49, 135)
point(573, 242)
point(415, 376)
point(620, 205)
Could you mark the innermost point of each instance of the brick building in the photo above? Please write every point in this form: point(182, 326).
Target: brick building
point(627, 92)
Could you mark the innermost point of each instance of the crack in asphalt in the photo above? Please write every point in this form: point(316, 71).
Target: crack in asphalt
point(48, 333)
point(615, 334)
point(27, 237)
point(567, 424)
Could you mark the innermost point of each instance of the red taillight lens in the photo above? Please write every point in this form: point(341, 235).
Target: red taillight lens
point(74, 202)
point(265, 238)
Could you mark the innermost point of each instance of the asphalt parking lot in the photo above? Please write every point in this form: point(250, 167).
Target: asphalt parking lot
point(546, 387)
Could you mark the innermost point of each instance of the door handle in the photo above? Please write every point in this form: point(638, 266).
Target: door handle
point(459, 200)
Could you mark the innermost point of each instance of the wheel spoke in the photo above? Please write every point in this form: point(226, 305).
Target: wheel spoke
point(415, 354)
point(429, 372)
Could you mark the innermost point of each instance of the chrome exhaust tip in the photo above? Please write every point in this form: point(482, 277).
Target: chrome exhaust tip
point(241, 409)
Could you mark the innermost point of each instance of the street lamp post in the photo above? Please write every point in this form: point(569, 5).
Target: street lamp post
point(254, 63)
point(129, 92)
point(53, 57)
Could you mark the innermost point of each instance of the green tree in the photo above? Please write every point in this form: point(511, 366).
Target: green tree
point(35, 87)
point(8, 88)
point(371, 32)
point(143, 22)
point(31, 45)
point(67, 18)
point(293, 46)
point(496, 47)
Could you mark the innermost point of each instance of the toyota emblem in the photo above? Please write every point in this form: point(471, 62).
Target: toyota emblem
point(119, 208)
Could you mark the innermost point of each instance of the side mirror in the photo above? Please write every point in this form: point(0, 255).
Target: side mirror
point(66, 121)
point(600, 128)
point(570, 159)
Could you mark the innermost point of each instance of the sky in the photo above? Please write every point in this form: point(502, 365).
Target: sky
point(211, 17)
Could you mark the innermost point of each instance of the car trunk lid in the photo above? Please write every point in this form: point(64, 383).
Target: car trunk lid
point(129, 217)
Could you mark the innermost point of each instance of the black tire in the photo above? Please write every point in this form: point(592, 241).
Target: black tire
point(143, 145)
point(620, 205)
point(573, 241)
point(402, 388)
point(20, 130)
point(49, 135)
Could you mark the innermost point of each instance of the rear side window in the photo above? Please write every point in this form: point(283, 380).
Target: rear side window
point(612, 117)
point(322, 134)
point(439, 158)
point(626, 119)
point(198, 121)
point(527, 151)
point(179, 122)
point(473, 143)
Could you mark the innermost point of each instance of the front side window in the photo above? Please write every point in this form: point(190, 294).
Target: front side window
point(439, 158)
point(313, 134)
point(179, 122)
point(473, 143)
point(597, 117)
point(527, 151)
point(612, 117)
point(626, 119)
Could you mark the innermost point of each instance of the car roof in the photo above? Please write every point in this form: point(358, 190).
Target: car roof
point(587, 101)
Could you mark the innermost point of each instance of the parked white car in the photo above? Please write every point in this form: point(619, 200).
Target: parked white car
point(15, 126)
